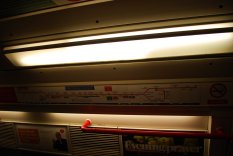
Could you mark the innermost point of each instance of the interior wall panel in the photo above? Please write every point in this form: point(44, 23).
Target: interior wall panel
point(113, 13)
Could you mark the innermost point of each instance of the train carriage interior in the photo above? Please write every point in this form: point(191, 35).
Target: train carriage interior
point(116, 77)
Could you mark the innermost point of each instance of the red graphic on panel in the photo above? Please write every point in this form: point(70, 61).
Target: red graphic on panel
point(28, 136)
point(108, 88)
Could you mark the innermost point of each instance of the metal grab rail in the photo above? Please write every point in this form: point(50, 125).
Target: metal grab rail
point(218, 135)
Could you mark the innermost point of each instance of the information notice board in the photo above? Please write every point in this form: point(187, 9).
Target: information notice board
point(43, 138)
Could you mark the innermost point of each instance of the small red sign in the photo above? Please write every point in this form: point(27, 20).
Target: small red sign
point(108, 88)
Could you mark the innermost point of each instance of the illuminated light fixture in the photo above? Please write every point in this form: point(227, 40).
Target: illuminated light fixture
point(159, 122)
point(138, 45)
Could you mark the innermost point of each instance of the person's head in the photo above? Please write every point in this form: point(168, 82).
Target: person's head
point(58, 135)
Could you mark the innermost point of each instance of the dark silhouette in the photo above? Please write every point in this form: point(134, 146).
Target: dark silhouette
point(60, 144)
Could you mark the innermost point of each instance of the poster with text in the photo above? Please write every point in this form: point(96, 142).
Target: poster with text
point(45, 138)
point(162, 146)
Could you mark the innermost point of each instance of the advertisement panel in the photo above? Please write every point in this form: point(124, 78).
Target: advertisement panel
point(162, 146)
point(45, 138)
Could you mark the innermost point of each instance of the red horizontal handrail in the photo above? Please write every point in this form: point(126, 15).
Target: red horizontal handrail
point(218, 135)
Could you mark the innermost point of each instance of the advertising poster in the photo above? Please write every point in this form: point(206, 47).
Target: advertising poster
point(162, 146)
point(45, 138)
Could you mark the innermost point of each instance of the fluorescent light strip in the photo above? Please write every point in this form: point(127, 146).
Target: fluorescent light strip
point(126, 34)
point(205, 44)
point(159, 122)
